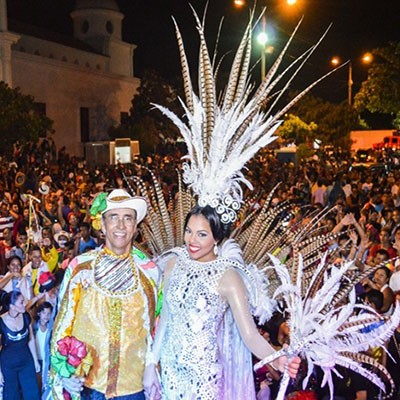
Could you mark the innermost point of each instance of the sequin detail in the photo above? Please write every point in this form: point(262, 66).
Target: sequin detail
point(115, 275)
point(114, 347)
point(191, 368)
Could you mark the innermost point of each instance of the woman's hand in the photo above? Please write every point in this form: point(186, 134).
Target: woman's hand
point(151, 383)
point(291, 366)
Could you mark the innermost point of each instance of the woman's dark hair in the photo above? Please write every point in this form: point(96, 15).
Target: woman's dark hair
point(218, 229)
point(375, 297)
point(272, 327)
point(10, 298)
point(14, 258)
point(43, 306)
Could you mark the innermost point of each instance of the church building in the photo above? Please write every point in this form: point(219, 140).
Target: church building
point(84, 83)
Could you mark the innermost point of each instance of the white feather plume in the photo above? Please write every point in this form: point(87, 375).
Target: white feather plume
point(325, 338)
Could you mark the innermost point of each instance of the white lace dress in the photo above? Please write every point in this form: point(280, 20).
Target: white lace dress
point(201, 340)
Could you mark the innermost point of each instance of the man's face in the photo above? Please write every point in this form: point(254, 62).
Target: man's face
point(380, 258)
point(36, 258)
point(21, 239)
point(85, 232)
point(119, 227)
point(7, 234)
point(46, 234)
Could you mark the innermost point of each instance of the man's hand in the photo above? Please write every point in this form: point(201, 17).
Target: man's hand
point(151, 383)
point(73, 385)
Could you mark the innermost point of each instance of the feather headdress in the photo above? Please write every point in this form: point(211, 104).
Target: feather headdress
point(221, 136)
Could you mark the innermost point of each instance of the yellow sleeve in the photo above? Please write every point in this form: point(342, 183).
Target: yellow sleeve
point(51, 258)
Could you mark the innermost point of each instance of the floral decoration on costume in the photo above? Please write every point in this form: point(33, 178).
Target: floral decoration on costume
point(71, 358)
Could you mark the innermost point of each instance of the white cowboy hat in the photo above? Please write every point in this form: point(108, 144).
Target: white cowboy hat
point(43, 188)
point(120, 198)
point(61, 233)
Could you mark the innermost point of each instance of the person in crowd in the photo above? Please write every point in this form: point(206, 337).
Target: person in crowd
point(18, 358)
point(384, 243)
point(61, 240)
point(41, 260)
point(14, 280)
point(115, 311)
point(6, 244)
point(380, 281)
point(353, 201)
point(20, 248)
point(6, 218)
point(42, 333)
point(83, 240)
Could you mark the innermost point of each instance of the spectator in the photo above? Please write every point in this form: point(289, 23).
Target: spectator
point(6, 219)
point(6, 245)
point(18, 358)
point(13, 279)
point(38, 265)
point(83, 240)
point(380, 281)
point(20, 248)
point(384, 243)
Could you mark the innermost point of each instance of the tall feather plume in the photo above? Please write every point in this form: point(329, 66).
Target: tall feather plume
point(223, 135)
point(187, 82)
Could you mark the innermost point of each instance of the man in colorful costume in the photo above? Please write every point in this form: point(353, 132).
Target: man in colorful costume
point(108, 300)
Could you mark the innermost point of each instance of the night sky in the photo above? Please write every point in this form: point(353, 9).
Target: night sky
point(358, 26)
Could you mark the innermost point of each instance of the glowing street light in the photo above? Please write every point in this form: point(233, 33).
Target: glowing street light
point(365, 59)
point(262, 39)
point(239, 3)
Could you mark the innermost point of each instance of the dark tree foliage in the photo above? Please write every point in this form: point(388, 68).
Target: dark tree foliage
point(20, 119)
point(145, 123)
point(380, 93)
point(334, 121)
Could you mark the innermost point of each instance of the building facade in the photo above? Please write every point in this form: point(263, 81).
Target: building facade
point(84, 83)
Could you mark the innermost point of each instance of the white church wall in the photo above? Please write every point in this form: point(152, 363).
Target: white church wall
point(65, 88)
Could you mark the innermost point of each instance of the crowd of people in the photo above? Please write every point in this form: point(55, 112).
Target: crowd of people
point(46, 222)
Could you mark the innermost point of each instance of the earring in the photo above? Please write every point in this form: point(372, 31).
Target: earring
point(216, 249)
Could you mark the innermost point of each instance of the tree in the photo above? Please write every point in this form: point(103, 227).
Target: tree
point(297, 131)
point(334, 122)
point(146, 124)
point(19, 119)
point(380, 93)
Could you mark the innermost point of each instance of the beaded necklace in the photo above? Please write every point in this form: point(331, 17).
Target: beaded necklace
point(115, 275)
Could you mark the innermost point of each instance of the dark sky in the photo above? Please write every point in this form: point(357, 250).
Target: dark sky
point(358, 26)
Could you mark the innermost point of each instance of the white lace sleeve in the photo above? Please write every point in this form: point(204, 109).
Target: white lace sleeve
point(261, 304)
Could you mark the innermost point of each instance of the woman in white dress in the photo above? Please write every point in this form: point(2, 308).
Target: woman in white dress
point(206, 331)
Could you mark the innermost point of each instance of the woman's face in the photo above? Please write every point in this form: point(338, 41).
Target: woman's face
point(199, 239)
point(14, 266)
point(380, 277)
point(19, 305)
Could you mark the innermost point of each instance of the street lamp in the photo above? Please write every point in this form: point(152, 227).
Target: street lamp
point(263, 36)
point(365, 59)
